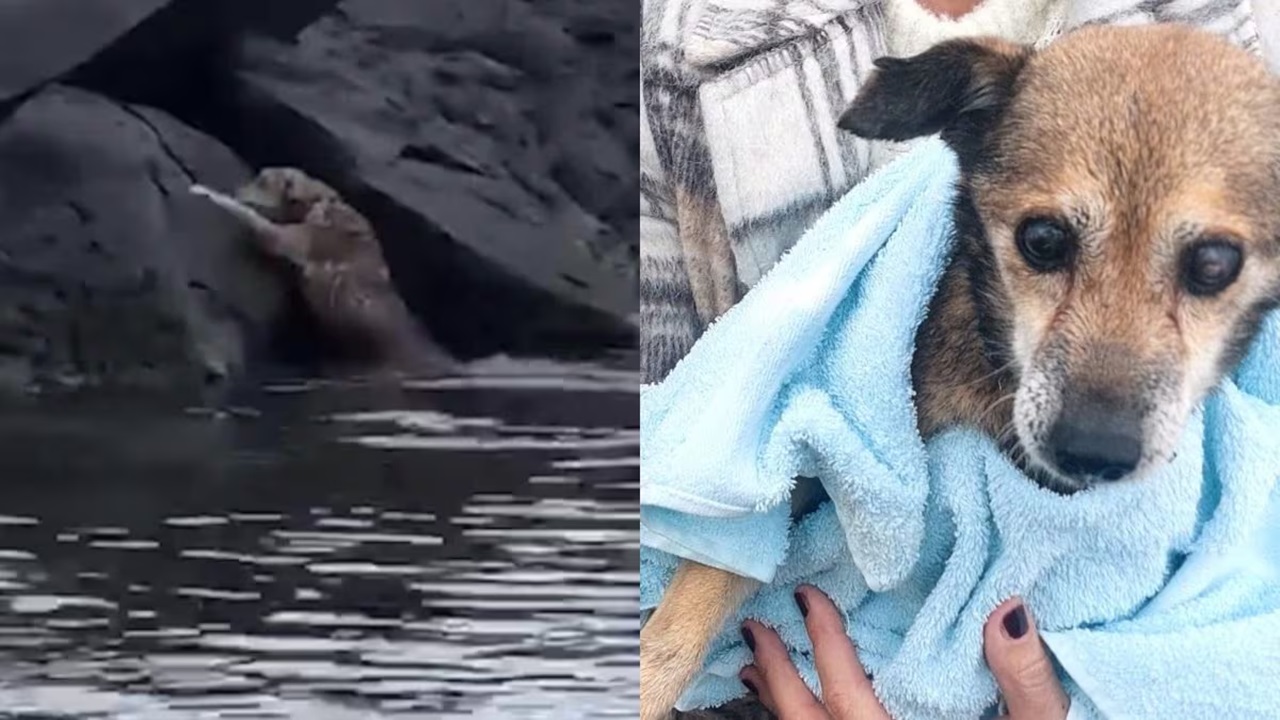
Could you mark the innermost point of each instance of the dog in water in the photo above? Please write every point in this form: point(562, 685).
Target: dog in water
point(1118, 243)
point(337, 260)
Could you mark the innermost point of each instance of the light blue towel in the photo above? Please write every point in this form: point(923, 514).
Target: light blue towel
point(1160, 598)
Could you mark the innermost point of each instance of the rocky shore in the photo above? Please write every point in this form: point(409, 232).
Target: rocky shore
point(492, 144)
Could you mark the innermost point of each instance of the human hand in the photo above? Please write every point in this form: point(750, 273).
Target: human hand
point(1012, 646)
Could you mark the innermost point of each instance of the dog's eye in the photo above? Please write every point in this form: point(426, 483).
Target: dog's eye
point(1045, 244)
point(1209, 267)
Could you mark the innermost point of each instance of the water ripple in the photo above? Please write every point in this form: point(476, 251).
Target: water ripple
point(460, 548)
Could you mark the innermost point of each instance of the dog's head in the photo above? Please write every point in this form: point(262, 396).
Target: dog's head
point(284, 195)
point(1120, 205)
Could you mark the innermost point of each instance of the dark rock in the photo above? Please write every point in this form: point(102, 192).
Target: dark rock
point(181, 51)
point(110, 271)
point(43, 39)
point(145, 40)
point(493, 144)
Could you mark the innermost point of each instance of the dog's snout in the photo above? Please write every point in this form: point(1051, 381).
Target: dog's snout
point(1096, 440)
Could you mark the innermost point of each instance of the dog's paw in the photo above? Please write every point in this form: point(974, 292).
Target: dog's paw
point(201, 190)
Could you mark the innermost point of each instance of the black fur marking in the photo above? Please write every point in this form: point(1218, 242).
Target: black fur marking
point(957, 88)
point(1244, 331)
point(911, 97)
point(978, 262)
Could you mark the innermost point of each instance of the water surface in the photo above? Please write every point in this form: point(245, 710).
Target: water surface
point(458, 548)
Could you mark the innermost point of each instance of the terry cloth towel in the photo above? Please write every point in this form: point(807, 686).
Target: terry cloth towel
point(1160, 598)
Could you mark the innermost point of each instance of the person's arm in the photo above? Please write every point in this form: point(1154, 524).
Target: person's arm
point(669, 322)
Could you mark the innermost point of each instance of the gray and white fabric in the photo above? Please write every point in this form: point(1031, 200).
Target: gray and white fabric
point(1229, 18)
point(739, 149)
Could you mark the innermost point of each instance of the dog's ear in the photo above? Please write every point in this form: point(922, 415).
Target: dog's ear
point(955, 87)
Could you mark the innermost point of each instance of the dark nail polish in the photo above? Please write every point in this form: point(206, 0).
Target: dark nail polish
point(1015, 622)
point(748, 638)
point(751, 687)
point(803, 603)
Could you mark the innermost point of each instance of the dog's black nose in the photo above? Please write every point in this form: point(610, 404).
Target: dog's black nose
point(1095, 441)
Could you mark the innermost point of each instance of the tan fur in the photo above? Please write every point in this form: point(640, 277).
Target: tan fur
point(339, 264)
point(953, 384)
point(1201, 161)
point(1148, 138)
point(285, 195)
point(673, 643)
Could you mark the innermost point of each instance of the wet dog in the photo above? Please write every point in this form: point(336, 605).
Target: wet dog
point(1118, 243)
point(337, 260)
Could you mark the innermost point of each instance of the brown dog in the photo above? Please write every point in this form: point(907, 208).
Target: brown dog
point(1118, 243)
point(339, 265)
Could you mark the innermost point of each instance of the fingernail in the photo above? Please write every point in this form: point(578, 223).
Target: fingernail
point(803, 603)
point(748, 638)
point(750, 686)
point(1015, 622)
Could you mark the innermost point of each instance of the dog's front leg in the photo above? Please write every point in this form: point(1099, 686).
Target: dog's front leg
point(674, 643)
point(284, 241)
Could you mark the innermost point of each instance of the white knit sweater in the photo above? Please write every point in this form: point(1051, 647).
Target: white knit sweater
point(911, 29)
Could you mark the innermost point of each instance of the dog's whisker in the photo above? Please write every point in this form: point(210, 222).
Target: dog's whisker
point(988, 376)
point(1006, 434)
point(982, 417)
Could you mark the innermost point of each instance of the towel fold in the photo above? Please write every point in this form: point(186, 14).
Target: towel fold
point(1158, 597)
